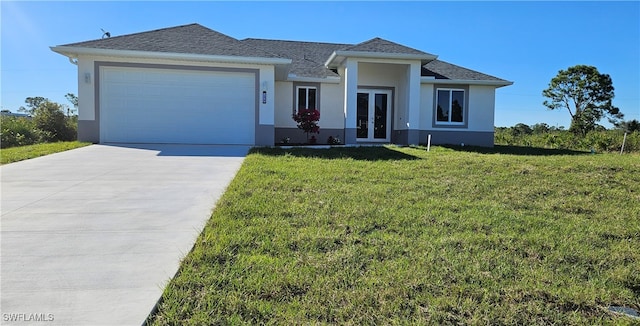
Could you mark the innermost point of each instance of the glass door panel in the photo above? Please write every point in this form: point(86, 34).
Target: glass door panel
point(363, 116)
point(380, 117)
point(374, 115)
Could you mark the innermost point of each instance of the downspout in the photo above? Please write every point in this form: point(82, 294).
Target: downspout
point(73, 60)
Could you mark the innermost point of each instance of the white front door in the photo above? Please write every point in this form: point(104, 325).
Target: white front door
point(374, 115)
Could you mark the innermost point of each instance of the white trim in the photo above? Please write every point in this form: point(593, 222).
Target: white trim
point(331, 58)
point(327, 80)
point(307, 96)
point(379, 55)
point(72, 51)
point(237, 124)
point(431, 80)
point(371, 107)
point(450, 113)
point(367, 54)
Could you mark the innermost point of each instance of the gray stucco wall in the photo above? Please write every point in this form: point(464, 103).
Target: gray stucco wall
point(438, 137)
point(400, 137)
point(89, 131)
point(454, 137)
point(298, 136)
point(264, 135)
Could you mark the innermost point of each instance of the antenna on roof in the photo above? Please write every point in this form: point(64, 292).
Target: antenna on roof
point(106, 34)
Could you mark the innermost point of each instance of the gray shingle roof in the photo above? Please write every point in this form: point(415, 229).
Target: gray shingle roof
point(382, 46)
point(192, 39)
point(307, 57)
point(444, 70)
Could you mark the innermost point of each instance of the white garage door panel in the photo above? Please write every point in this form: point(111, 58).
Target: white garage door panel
point(143, 105)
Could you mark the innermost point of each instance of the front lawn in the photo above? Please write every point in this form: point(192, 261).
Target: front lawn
point(15, 154)
point(400, 235)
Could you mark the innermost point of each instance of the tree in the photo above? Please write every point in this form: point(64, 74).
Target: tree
point(307, 120)
point(630, 126)
point(32, 104)
point(540, 128)
point(521, 129)
point(586, 94)
point(74, 101)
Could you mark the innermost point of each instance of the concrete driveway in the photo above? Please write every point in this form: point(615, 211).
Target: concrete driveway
point(91, 236)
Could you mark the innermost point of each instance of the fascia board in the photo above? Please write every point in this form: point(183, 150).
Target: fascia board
point(499, 83)
point(383, 55)
point(76, 51)
point(327, 80)
point(378, 55)
point(330, 60)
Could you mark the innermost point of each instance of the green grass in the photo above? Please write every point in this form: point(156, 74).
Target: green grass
point(404, 236)
point(15, 154)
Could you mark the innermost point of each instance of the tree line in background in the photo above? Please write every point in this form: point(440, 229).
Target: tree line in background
point(599, 139)
point(46, 121)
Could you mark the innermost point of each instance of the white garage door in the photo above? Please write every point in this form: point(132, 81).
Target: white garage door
point(145, 105)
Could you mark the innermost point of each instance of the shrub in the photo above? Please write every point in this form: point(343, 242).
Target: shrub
point(52, 124)
point(17, 131)
point(334, 140)
point(48, 124)
point(599, 141)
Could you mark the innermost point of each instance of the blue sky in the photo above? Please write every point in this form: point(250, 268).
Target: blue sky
point(524, 42)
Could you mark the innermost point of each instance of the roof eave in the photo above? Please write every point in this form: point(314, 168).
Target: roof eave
point(329, 61)
point(497, 83)
point(337, 57)
point(326, 80)
point(74, 52)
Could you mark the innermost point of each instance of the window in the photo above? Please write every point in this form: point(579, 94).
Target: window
point(306, 97)
point(450, 106)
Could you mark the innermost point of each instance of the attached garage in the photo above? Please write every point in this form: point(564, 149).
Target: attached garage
point(177, 104)
point(181, 85)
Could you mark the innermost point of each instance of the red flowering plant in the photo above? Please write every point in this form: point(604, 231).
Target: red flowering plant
point(307, 120)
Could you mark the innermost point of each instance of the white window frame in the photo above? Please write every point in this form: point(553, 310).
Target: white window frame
point(464, 107)
point(306, 95)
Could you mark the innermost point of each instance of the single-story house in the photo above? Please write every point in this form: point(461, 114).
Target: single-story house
point(190, 84)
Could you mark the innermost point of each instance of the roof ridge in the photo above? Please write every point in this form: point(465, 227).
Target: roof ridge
point(363, 42)
point(291, 41)
point(377, 38)
point(147, 32)
point(190, 38)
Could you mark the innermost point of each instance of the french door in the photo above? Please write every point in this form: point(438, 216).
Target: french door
point(374, 115)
